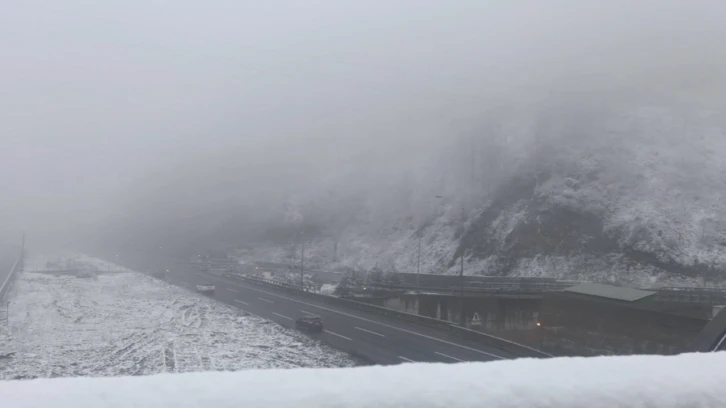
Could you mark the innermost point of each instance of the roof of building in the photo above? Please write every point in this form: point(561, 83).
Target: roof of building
point(609, 292)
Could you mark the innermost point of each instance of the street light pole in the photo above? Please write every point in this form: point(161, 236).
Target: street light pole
point(418, 257)
point(462, 315)
point(302, 261)
point(418, 262)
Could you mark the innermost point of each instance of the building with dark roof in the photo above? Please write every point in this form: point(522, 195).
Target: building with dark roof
point(609, 292)
point(594, 318)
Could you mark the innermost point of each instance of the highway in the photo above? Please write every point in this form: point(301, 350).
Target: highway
point(378, 339)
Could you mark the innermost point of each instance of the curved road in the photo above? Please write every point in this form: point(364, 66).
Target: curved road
point(379, 339)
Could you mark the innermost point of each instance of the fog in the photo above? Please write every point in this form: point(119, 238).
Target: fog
point(154, 119)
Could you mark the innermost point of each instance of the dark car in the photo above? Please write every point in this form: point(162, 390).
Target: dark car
point(161, 274)
point(310, 324)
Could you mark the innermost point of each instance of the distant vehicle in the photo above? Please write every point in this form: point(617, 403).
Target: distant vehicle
point(206, 288)
point(160, 274)
point(310, 324)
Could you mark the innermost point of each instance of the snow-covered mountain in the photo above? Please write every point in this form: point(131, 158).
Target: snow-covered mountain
point(631, 195)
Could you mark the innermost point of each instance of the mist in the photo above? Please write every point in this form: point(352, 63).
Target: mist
point(186, 123)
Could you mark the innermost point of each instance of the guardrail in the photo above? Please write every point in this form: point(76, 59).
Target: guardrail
point(5, 285)
point(516, 349)
point(503, 286)
point(712, 296)
point(479, 289)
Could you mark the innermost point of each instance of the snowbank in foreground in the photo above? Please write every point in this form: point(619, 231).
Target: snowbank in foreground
point(692, 380)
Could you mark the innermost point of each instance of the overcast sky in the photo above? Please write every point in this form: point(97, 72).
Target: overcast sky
point(97, 95)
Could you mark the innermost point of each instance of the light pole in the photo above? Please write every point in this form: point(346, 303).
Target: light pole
point(462, 315)
point(418, 261)
point(302, 260)
point(418, 258)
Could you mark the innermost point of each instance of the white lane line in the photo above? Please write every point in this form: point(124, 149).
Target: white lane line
point(442, 354)
point(365, 320)
point(239, 301)
point(308, 313)
point(283, 316)
point(368, 331)
point(265, 300)
point(339, 335)
point(406, 359)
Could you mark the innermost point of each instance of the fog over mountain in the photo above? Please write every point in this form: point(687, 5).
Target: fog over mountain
point(564, 138)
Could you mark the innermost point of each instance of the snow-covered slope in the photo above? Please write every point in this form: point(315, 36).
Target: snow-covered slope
point(689, 380)
point(632, 194)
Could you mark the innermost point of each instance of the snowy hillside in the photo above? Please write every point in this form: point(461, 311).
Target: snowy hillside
point(631, 195)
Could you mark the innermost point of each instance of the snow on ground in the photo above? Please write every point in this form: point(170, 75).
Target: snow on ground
point(126, 323)
point(689, 380)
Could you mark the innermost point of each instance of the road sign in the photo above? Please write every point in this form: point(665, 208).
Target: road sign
point(475, 320)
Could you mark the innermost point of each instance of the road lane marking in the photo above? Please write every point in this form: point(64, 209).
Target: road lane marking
point(453, 358)
point(406, 359)
point(239, 301)
point(368, 331)
point(283, 316)
point(363, 319)
point(266, 300)
point(339, 335)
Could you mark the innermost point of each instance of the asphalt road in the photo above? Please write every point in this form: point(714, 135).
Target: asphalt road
point(379, 339)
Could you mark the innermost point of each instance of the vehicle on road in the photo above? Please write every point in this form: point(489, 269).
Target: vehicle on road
point(206, 288)
point(161, 274)
point(313, 324)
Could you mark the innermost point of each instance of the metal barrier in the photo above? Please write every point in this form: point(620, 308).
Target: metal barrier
point(516, 349)
point(5, 285)
point(491, 288)
point(712, 296)
point(693, 295)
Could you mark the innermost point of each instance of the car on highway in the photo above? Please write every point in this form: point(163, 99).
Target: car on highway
point(206, 288)
point(160, 274)
point(313, 324)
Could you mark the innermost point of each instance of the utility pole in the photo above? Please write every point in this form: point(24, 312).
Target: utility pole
point(418, 262)
point(22, 254)
point(302, 261)
point(418, 258)
point(462, 315)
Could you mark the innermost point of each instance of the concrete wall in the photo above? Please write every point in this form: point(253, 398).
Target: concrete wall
point(581, 326)
point(496, 313)
point(569, 326)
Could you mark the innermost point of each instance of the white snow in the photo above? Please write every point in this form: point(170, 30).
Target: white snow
point(126, 323)
point(689, 380)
